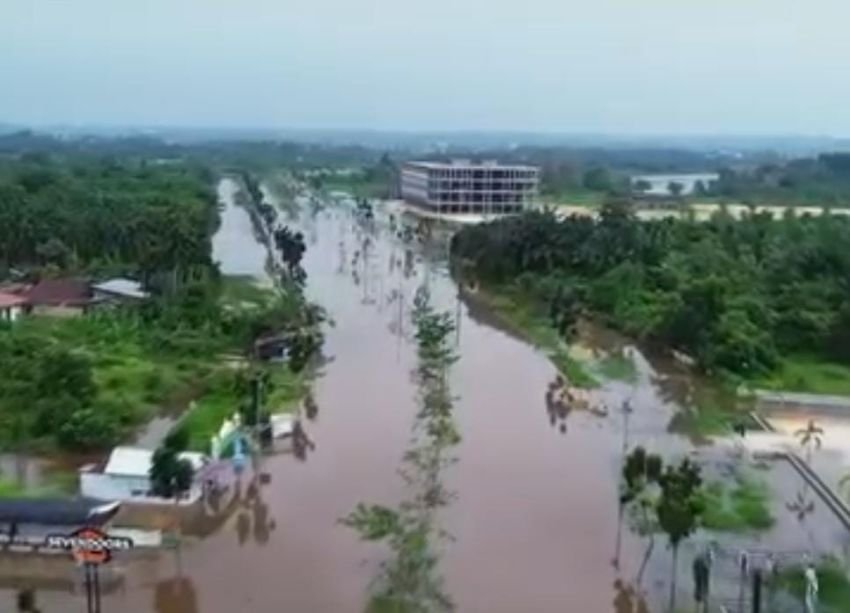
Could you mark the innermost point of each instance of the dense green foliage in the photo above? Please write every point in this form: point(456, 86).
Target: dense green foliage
point(744, 506)
point(733, 293)
point(88, 382)
point(132, 216)
point(171, 476)
point(820, 181)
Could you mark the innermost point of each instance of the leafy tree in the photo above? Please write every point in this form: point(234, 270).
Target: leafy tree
point(170, 476)
point(730, 292)
point(679, 509)
point(675, 188)
point(598, 179)
point(810, 438)
point(88, 428)
point(564, 311)
point(292, 247)
point(641, 472)
point(641, 186)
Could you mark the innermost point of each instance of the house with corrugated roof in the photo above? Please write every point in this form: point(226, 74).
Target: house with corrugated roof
point(62, 297)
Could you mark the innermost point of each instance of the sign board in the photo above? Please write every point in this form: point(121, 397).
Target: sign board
point(89, 545)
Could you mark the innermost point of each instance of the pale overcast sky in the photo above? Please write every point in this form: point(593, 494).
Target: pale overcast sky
point(633, 66)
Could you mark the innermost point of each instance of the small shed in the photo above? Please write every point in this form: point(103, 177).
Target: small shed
point(126, 475)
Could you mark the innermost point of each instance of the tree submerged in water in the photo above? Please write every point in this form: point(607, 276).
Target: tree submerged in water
point(664, 499)
point(409, 581)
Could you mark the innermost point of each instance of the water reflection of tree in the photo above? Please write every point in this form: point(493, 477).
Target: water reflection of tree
point(176, 595)
point(254, 519)
point(311, 408)
point(302, 444)
point(802, 507)
point(627, 599)
point(216, 512)
point(557, 404)
point(26, 601)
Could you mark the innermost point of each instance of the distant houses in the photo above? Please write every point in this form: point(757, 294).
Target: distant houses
point(59, 297)
point(67, 297)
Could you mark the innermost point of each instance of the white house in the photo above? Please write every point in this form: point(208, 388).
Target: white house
point(11, 306)
point(126, 476)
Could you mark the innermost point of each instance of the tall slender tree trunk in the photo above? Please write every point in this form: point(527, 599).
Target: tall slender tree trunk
point(645, 561)
point(619, 536)
point(673, 578)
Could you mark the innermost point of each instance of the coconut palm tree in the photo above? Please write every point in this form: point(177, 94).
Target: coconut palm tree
point(810, 438)
point(801, 506)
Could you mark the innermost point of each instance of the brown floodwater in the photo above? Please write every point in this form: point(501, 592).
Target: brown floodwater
point(534, 524)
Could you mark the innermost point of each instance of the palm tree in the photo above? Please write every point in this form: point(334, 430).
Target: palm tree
point(810, 437)
point(801, 507)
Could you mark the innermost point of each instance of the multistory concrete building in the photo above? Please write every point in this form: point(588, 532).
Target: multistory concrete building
point(464, 187)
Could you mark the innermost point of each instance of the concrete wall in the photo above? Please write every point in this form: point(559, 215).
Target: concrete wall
point(133, 489)
point(11, 313)
point(108, 487)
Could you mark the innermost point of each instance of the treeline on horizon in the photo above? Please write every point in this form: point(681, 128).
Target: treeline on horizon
point(734, 294)
point(745, 177)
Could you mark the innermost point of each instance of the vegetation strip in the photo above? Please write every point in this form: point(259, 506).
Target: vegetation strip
point(409, 580)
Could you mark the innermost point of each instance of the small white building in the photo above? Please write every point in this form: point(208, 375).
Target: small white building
point(11, 306)
point(126, 476)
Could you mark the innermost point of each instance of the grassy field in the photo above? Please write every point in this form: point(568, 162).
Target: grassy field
point(709, 420)
point(579, 197)
point(358, 185)
point(135, 378)
point(222, 400)
point(807, 374)
point(739, 508)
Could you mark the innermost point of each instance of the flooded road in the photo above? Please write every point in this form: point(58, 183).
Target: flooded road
point(535, 518)
point(233, 246)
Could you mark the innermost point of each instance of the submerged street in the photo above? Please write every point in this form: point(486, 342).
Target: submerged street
point(535, 515)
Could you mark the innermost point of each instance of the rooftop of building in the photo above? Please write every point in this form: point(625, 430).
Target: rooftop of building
point(66, 292)
point(8, 300)
point(57, 512)
point(136, 462)
point(125, 288)
point(468, 164)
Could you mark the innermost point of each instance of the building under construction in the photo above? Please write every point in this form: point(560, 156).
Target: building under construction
point(464, 187)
